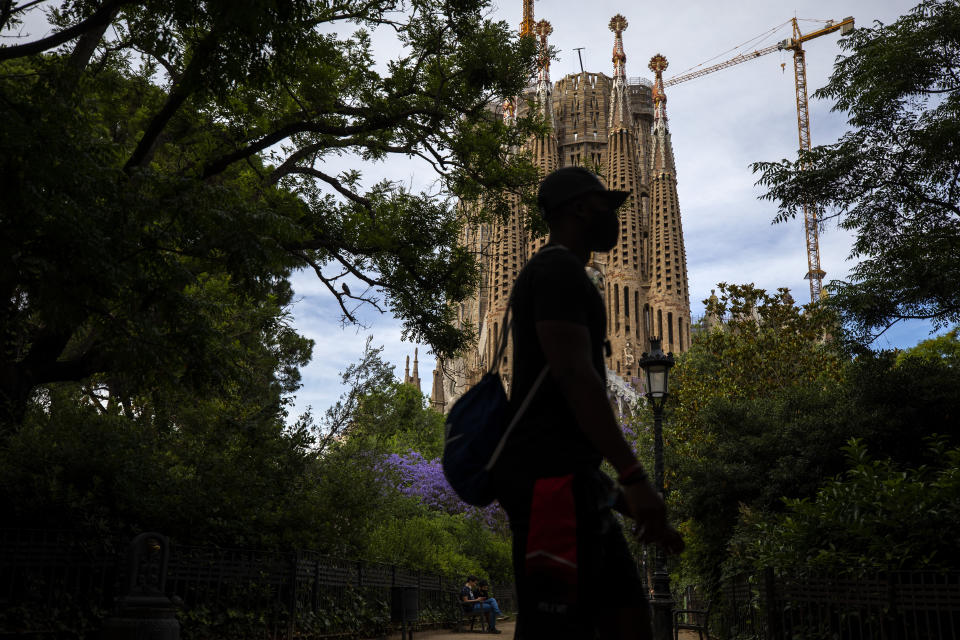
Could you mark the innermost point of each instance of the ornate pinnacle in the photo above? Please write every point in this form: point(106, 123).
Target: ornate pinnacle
point(618, 24)
point(619, 101)
point(543, 29)
point(658, 64)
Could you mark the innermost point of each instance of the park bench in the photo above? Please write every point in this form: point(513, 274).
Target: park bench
point(472, 616)
point(695, 617)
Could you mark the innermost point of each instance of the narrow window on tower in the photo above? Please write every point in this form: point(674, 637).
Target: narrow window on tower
point(660, 323)
point(626, 310)
point(670, 330)
point(616, 306)
point(636, 311)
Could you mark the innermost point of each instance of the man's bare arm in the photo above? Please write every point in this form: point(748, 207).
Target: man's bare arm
point(566, 347)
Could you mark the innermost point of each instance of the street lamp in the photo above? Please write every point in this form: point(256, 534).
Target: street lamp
point(656, 365)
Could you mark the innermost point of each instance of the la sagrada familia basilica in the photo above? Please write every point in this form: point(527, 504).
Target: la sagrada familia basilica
point(616, 125)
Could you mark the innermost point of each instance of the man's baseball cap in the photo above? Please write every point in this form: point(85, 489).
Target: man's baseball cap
point(568, 183)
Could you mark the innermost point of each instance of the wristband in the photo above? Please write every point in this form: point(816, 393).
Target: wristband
point(632, 475)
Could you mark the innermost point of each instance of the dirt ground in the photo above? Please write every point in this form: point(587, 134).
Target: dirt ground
point(506, 627)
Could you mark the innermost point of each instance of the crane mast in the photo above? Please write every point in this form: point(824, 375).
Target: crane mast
point(811, 214)
point(526, 26)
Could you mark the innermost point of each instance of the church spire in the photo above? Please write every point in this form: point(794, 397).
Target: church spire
point(669, 295)
point(415, 377)
point(544, 148)
point(662, 148)
point(659, 64)
point(619, 105)
point(544, 87)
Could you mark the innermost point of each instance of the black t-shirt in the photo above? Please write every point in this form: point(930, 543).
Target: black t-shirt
point(467, 593)
point(547, 440)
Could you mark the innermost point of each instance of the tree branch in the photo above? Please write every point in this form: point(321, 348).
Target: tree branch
point(87, 44)
point(178, 95)
point(5, 13)
point(934, 201)
point(336, 184)
point(375, 124)
point(166, 64)
point(24, 7)
point(336, 294)
point(100, 17)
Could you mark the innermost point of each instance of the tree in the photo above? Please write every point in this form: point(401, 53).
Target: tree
point(877, 516)
point(762, 407)
point(746, 420)
point(385, 495)
point(150, 148)
point(894, 178)
point(944, 349)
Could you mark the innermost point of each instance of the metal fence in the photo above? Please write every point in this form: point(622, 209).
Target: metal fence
point(896, 605)
point(58, 582)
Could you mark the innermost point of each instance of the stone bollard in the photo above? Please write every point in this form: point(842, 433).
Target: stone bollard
point(144, 612)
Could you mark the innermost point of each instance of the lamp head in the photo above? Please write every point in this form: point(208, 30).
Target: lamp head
point(656, 364)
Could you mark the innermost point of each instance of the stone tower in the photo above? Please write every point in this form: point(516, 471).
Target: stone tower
point(669, 295)
point(546, 155)
point(617, 126)
point(625, 273)
point(414, 378)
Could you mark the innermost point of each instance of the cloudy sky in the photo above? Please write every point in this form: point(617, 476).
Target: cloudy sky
point(720, 124)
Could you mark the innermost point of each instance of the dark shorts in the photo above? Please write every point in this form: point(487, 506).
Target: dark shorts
point(571, 562)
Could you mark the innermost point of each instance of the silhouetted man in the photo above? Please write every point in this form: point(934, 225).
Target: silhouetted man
point(575, 575)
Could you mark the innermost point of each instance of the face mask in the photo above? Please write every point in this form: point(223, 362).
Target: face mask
point(603, 231)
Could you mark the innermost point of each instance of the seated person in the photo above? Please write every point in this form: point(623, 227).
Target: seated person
point(483, 591)
point(472, 602)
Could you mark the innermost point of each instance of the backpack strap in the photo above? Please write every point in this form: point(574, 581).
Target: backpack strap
point(501, 347)
point(516, 417)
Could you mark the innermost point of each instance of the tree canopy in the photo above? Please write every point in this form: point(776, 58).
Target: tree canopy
point(761, 410)
point(894, 178)
point(166, 165)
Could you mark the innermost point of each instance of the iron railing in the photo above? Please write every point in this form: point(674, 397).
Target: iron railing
point(56, 581)
point(894, 605)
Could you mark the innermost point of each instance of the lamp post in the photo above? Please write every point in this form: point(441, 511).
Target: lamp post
point(656, 365)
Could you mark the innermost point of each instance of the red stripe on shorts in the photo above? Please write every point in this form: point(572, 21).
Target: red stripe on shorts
point(552, 540)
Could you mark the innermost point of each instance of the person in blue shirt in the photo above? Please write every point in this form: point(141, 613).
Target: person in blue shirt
point(475, 602)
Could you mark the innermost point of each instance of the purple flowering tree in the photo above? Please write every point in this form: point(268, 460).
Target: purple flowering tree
point(422, 478)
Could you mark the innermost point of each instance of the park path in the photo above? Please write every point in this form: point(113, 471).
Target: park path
point(506, 627)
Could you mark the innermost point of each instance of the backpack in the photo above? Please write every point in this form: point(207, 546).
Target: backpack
point(476, 428)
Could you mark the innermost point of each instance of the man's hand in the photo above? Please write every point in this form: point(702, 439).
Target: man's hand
point(650, 513)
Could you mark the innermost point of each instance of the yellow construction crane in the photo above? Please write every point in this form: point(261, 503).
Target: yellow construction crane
point(811, 216)
point(526, 26)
